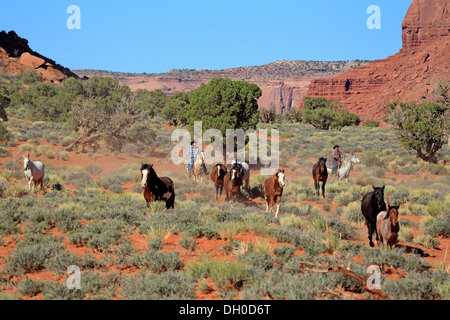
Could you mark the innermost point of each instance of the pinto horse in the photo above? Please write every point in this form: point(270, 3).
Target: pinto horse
point(156, 188)
point(372, 204)
point(217, 175)
point(34, 172)
point(273, 190)
point(320, 174)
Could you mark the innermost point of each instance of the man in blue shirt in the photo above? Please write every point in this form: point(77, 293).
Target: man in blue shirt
point(191, 154)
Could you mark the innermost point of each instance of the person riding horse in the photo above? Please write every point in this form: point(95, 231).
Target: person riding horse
point(336, 158)
point(191, 155)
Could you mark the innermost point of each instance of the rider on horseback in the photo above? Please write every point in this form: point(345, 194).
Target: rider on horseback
point(336, 158)
point(191, 155)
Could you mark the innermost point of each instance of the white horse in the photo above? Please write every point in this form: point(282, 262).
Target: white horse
point(344, 170)
point(34, 172)
point(246, 177)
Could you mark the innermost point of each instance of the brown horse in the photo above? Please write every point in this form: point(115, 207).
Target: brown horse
point(320, 174)
point(217, 175)
point(233, 181)
point(273, 190)
point(161, 188)
point(388, 226)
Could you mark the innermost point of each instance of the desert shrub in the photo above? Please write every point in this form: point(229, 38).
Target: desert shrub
point(158, 261)
point(438, 227)
point(164, 286)
point(28, 287)
point(292, 220)
point(427, 241)
point(93, 169)
point(64, 155)
point(136, 188)
point(155, 243)
point(203, 231)
point(26, 149)
point(399, 196)
point(188, 244)
point(59, 291)
point(413, 287)
point(257, 259)
point(222, 272)
point(284, 252)
point(4, 152)
point(99, 235)
point(372, 124)
point(59, 263)
point(32, 253)
point(12, 165)
point(406, 234)
point(344, 230)
point(80, 180)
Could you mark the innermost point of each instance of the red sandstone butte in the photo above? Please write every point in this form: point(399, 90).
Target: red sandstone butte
point(406, 76)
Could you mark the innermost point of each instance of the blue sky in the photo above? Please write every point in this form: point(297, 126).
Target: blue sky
point(156, 36)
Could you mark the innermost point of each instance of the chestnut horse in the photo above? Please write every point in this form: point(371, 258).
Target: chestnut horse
point(161, 188)
point(273, 190)
point(233, 181)
point(320, 174)
point(388, 226)
point(217, 175)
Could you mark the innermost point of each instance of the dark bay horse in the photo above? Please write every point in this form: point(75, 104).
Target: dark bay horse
point(217, 174)
point(233, 180)
point(161, 188)
point(320, 174)
point(372, 204)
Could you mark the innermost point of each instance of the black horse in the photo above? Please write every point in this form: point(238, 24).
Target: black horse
point(161, 188)
point(372, 204)
point(320, 174)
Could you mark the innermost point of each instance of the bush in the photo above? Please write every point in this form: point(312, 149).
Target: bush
point(438, 227)
point(414, 287)
point(165, 286)
point(159, 261)
point(372, 124)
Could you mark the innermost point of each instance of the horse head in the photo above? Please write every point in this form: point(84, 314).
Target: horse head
point(322, 164)
point(146, 173)
point(221, 170)
point(379, 197)
point(236, 171)
point(392, 214)
point(355, 159)
point(280, 178)
point(26, 162)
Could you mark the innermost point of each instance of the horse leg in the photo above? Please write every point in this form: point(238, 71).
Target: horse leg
point(267, 204)
point(370, 229)
point(316, 186)
point(277, 203)
point(42, 183)
point(323, 189)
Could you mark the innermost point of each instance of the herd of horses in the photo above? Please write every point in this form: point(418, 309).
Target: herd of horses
point(380, 219)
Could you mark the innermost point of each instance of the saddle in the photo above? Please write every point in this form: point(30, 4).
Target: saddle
point(329, 164)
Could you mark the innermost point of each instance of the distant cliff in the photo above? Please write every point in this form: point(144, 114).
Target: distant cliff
point(406, 76)
point(283, 83)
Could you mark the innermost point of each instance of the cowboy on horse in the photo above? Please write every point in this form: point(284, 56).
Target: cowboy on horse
point(191, 156)
point(336, 158)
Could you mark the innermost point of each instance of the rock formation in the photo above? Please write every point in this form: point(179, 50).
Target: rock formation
point(16, 56)
point(406, 76)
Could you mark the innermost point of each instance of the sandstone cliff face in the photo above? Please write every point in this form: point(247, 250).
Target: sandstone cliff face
point(16, 56)
point(406, 76)
point(425, 22)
